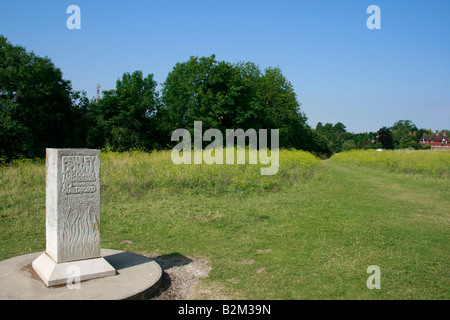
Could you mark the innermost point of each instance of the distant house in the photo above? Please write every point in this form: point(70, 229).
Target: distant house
point(436, 140)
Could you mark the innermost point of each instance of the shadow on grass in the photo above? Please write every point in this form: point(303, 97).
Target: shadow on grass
point(169, 261)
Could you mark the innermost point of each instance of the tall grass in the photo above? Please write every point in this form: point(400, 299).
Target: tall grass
point(22, 206)
point(433, 163)
point(22, 182)
point(128, 177)
point(137, 172)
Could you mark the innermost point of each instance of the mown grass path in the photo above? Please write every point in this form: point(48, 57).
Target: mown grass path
point(397, 221)
point(315, 240)
point(323, 233)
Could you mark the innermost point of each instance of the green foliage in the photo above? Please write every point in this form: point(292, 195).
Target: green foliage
point(415, 145)
point(203, 89)
point(360, 138)
point(349, 145)
point(336, 135)
point(230, 96)
point(403, 134)
point(39, 109)
point(125, 116)
point(35, 104)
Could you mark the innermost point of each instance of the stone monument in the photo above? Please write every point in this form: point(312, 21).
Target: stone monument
point(72, 218)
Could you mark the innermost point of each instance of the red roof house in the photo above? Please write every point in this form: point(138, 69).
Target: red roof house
point(436, 140)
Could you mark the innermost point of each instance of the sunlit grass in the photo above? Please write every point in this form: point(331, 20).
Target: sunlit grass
point(138, 172)
point(133, 176)
point(310, 231)
point(433, 163)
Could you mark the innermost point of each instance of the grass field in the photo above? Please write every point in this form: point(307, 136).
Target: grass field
point(310, 232)
point(432, 163)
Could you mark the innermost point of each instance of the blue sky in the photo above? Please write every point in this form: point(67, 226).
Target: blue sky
point(340, 70)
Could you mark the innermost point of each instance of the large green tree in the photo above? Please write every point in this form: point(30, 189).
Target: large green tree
point(35, 104)
point(229, 96)
point(282, 110)
point(207, 90)
point(125, 116)
point(403, 134)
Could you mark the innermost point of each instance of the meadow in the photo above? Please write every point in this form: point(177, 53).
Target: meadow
point(309, 232)
point(138, 173)
point(429, 162)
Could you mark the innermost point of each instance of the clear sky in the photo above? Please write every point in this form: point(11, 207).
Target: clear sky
point(340, 70)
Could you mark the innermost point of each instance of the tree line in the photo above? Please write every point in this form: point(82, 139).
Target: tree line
point(403, 134)
point(39, 109)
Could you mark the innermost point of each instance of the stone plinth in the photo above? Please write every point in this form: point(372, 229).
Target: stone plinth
point(138, 277)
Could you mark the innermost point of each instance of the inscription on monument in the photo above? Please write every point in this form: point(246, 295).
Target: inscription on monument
point(78, 169)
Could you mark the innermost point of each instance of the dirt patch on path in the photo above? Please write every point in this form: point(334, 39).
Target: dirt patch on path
point(180, 278)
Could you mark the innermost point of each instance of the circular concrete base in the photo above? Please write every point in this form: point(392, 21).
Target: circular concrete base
point(137, 277)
